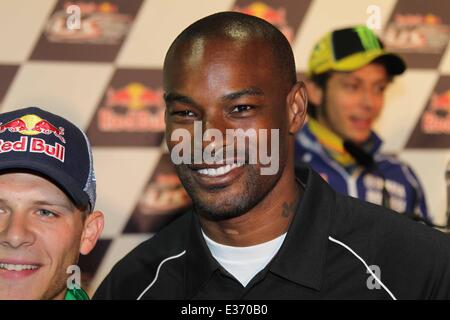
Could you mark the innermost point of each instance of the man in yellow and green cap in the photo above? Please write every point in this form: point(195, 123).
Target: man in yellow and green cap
point(347, 75)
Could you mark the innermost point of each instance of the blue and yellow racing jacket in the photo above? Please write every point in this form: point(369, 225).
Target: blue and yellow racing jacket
point(324, 152)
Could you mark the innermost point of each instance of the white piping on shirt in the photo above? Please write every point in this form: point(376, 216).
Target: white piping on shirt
point(330, 238)
point(365, 264)
point(157, 272)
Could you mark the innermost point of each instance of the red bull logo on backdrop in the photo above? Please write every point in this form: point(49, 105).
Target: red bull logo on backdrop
point(432, 129)
point(32, 125)
point(277, 17)
point(132, 108)
point(436, 119)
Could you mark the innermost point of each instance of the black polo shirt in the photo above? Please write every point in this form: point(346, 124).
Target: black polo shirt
point(337, 247)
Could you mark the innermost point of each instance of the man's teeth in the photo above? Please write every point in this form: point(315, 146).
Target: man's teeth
point(17, 267)
point(220, 171)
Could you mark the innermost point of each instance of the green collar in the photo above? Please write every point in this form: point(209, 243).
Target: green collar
point(76, 294)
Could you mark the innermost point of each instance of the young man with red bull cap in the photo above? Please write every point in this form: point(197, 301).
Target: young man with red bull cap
point(47, 199)
point(348, 73)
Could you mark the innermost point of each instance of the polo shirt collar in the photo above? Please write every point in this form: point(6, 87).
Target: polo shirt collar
point(300, 259)
point(200, 264)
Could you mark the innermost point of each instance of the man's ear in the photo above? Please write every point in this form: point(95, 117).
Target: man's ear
point(93, 226)
point(315, 93)
point(297, 102)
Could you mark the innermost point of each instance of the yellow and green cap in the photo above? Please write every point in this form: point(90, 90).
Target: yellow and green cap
point(350, 49)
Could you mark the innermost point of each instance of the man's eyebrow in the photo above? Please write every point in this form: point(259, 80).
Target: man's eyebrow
point(346, 75)
point(244, 92)
point(171, 97)
point(68, 206)
point(377, 81)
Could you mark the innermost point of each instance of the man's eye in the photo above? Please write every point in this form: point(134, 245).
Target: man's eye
point(183, 113)
point(380, 88)
point(351, 86)
point(241, 108)
point(46, 213)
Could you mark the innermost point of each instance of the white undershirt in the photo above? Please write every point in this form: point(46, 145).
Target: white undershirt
point(244, 262)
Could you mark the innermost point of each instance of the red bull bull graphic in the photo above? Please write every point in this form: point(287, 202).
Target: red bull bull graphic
point(277, 17)
point(31, 125)
point(47, 128)
point(132, 108)
point(15, 125)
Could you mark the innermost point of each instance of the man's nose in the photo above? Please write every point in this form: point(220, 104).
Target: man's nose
point(15, 231)
point(369, 99)
point(214, 130)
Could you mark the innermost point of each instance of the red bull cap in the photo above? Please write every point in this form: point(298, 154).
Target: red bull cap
point(35, 140)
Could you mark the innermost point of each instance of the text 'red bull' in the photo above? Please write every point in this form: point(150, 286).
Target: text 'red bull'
point(37, 145)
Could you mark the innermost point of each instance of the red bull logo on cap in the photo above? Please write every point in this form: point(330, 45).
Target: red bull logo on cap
point(31, 125)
